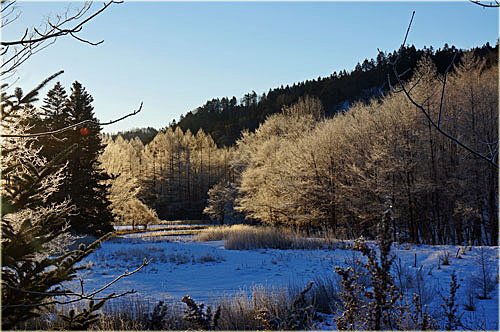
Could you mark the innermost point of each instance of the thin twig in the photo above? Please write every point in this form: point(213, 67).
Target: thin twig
point(491, 4)
point(79, 296)
point(45, 304)
point(16, 52)
point(441, 102)
point(59, 32)
point(76, 125)
point(426, 113)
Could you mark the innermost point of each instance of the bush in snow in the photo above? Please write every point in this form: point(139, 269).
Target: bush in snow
point(355, 261)
point(413, 316)
point(444, 258)
point(382, 296)
point(450, 306)
point(403, 275)
point(485, 279)
point(200, 317)
point(299, 316)
point(161, 318)
point(470, 297)
point(353, 303)
point(325, 293)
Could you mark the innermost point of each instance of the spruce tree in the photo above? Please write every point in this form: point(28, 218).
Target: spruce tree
point(84, 182)
point(55, 104)
point(53, 115)
point(34, 247)
point(85, 178)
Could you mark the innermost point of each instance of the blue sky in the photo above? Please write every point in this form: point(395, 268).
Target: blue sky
point(174, 56)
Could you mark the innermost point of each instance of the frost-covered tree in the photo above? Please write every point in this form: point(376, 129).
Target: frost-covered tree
point(124, 160)
point(335, 173)
point(174, 171)
point(125, 204)
point(35, 258)
point(265, 184)
point(220, 201)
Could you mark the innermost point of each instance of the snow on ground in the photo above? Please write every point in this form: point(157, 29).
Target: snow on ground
point(207, 271)
point(157, 226)
point(129, 227)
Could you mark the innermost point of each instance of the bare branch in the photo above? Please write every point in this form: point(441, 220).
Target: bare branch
point(6, 19)
point(48, 303)
point(419, 106)
point(36, 39)
point(76, 125)
point(408, 30)
point(86, 41)
point(443, 89)
point(440, 130)
point(489, 4)
point(59, 32)
point(78, 296)
point(7, 6)
point(121, 276)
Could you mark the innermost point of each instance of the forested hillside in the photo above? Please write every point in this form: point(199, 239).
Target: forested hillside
point(225, 118)
point(304, 172)
point(307, 169)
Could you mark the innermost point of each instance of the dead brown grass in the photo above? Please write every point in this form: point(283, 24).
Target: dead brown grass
point(245, 237)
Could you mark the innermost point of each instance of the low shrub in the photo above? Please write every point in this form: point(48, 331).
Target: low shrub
point(213, 233)
point(444, 258)
point(470, 297)
point(199, 316)
point(485, 279)
point(209, 258)
point(269, 309)
point(402, 274)
point(325, 293)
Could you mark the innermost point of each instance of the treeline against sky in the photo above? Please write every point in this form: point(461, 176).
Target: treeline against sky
point(225, 118)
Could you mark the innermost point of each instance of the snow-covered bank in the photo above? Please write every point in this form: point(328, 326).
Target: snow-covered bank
point(207, 271)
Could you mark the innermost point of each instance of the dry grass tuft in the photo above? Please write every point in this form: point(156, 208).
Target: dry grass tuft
point(239, 312)
point(245, 237)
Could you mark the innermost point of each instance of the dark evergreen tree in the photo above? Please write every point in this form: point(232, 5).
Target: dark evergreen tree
point(52, 116)
point(55, 104)
point(85, 179)
point(35, 257)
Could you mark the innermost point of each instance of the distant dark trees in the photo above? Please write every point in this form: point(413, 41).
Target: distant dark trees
point(146, 135)
point(224, 118)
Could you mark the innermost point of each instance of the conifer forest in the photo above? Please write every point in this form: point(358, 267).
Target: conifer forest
point(362, 199)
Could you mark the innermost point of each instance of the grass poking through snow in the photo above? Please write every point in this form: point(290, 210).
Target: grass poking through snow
point(245, 237)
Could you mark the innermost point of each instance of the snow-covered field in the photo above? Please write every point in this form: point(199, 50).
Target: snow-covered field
point(207, 271)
